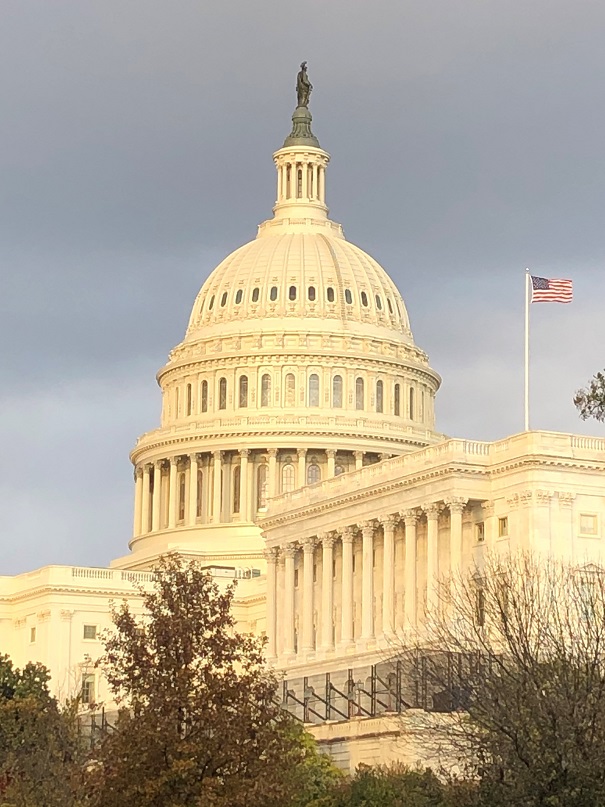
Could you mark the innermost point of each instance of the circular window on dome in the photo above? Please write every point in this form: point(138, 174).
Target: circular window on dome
point(211, 304)
point(378, 303)
point(238, 296)
point(311, 293)
point(255, 293)
point(348, 296)
point(364, 299)
point(330, 294)
point(292, 293)
point(273, 293)
point(224, 299)
point(390, 305)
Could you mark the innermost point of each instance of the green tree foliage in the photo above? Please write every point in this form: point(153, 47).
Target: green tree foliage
point(590, 401)
point(39, 751)
point(200, 724)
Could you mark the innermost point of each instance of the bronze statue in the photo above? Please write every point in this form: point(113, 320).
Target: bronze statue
point(303, 86)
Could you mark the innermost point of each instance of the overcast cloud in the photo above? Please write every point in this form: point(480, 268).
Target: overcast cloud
point(135, 153)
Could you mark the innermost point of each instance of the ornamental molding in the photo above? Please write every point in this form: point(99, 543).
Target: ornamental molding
point(43, 616)
point(565, 498)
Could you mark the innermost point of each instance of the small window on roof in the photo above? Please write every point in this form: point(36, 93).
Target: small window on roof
point(330, 293)
point(311, 293)
point(348, 296)
point(211, 304)
point(378, 302)
point(364, 299)
point(255, 293)
point(390, 305)
point(273, 293)
point(292, 293)
point(238, 296)
point(224, 299)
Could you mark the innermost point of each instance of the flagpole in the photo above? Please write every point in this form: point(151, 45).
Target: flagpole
point(527, 302)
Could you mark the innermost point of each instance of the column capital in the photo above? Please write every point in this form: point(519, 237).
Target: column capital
point(301, 453)
point(244, 452)
point(218, 455)
point(137, 472)
point(308, 545)
point(195, 457)
point(326, 539)
point(410, 517)
point(347, 535)
point(488, 508)
point(388, 521)
point(147, 466)
point(432, 510)
point(272, 452)
point(331, 453)
point(288, 550)
point(359, 455)
point(456, 504)
point(367, 527)
point(175, 460)
point(270, 554)
point(159, 464)
point(383, 457)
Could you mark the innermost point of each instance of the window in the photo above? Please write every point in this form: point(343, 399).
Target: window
point(273, 293)
point(311, 293)
point(338, 470)
point(237, 478)
point(503, 527)
point(188, 399)
point(243, 391)
point(287, 478)
point(411, 403)
point(295, 578)
point(211, 305)
point(480, 532)
point(334, 569)
point(315, 572)
point(330, 294)
point(588, 524)
point(313, 389)
point(292, 293)
point(200, 490)
point(238, 296)
point(290, 390)
point(255, 293)
point(337, 392)
point(390, 305)
point(261, 487)
point(265, 390)
point(378, 303)
point(299, 184)
point(288, 180)
point(379, 396)
point(90, 631)
point(348, 297)
point(224, 299)
point(32, 635)
point(181, 496)
point(313, 474)
point(397, 400)
point(364, 299)
point(88, 688)
point(204, 396)
point(177, 401)
point(359, 394)
point(222, 393)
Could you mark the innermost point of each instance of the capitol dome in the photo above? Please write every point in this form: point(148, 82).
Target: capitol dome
point(298, 364)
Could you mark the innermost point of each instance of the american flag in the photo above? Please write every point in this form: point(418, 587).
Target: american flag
point(551, 290)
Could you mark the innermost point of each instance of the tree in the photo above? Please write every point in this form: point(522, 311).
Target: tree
point(199, 722)
point(590, 401)
point(522, 664)
point(39, 748)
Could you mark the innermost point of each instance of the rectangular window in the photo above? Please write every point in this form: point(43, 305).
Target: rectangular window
point(90, 631)
point(295, 578)
point(32, 635)
point(589, 524)
point(88, 688)
point(503, 527)
point(480, 532)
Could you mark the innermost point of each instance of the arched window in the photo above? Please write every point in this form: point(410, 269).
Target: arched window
point(397, 400)
point(224, 299)
point(290, 390)
point(261, 486)
point(181, 496)
point(287, 478)
point(330, 294)
point(255, 293)
point(238, 296)
point(379, 396)
point(313, 389)
point(204, 396)
point(313, 474)
point(243, 391)
point(177, 401)
point(411, 403)
point(337, 392)
point(378, 303)
point(299, 184)
point(222, 393)
point(359, 394)
point(237, 478)
point(292, 293)
point(188, 399)
point(348, 296)
point(364, 299)
point(273, 294)
point(200, 493)
point(311, 293)
point(265, 390)
point(338, 470)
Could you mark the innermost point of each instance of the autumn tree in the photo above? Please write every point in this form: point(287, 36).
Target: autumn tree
point(590, 401)
point(199, 722)
point(521, 662)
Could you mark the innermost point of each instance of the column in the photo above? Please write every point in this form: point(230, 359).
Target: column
point(301, 477)
point(411, 519)
point(346, 630)
point(216, 487)
point(138, 501)
point(327, 592)
point(388, 575)
point(432, 557)
point(331, 454)
point(192, 503)
point(358, 460)
point(272, 487)
point(489, 525)
point(173, 492)
point(315, 188)
point(244, 505)
point(157, 496)
point(226, 488)
point(271, 558)
point(307, 609)
point(289, 551)
point(456, 506)
point(367, 581)
point(145, 526)
point(321, 185)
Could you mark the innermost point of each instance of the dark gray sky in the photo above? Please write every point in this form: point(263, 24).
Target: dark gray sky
point(135, 152)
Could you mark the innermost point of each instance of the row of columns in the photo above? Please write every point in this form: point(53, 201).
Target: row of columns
point(313, 179)
point(347, 536)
